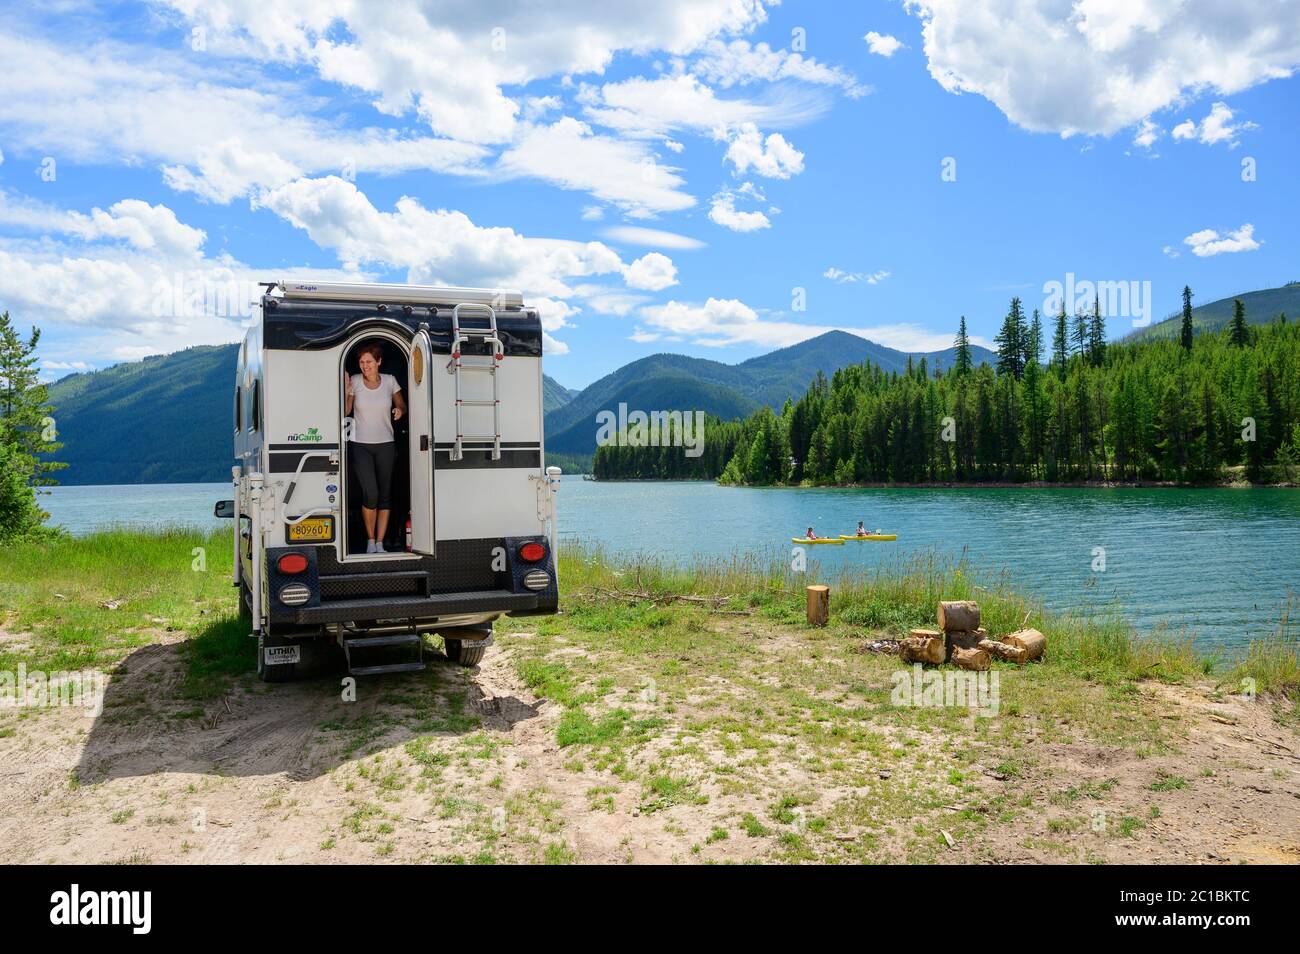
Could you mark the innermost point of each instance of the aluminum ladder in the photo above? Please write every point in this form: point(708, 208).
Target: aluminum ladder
point(459, 337)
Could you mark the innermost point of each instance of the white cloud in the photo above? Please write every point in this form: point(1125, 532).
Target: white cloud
point(726, 322)
point(772, 157)
point(654, 108)
point(592, 213)
point(1126, 60)
point(1208, 242)
point(653, 271)
point(132, 279)
point(1147, 134)
point(1216, 127)
point(843, 277)
point(724, 212)
point(651, 238)
point(882, 44)
point(107, 103)
point(740, 62)
point(446, 247)
point(570, 155)
point(1169, 251)
point(450, 65)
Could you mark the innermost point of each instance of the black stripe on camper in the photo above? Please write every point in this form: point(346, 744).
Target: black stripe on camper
point(302, 447)
point(482, 459)
point(286, 462)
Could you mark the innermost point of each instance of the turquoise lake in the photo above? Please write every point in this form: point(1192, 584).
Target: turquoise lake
point(1220, 565)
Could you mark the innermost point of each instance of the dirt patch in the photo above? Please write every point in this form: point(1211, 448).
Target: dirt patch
point(763, 743)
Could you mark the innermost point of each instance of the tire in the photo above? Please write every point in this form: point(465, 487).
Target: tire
point(317, 656)
point(458, 654)
point(245, 603)
point(283, 672)
point(454, 643)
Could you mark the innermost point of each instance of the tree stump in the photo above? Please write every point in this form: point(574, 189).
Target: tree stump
point(955, 615)
point(819, 605)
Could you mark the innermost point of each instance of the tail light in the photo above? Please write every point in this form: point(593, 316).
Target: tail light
point(291, 563)
point(532, 552)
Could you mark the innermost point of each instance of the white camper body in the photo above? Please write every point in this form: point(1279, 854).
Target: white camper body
point(471, 532)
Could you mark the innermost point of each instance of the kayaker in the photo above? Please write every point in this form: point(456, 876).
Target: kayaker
point(861, 530)
point(811, 535)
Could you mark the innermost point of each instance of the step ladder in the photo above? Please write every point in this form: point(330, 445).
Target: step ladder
point(459, 337)
point(363, 645)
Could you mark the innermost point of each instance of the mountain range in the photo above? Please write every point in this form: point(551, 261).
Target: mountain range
point(166, 419)
point(1262, 307)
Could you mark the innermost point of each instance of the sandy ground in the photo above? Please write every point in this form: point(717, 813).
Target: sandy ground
point(464, 765)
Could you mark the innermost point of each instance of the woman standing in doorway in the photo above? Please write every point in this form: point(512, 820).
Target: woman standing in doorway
point(373, 401)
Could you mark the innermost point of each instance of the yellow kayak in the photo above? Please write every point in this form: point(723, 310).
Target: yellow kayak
point(818, 540)
point(869, 536)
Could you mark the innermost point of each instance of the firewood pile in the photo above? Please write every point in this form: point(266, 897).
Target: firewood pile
point(961, 640)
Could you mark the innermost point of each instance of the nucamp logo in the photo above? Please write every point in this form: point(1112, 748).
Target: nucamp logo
point(134, 908)
point(312, 436)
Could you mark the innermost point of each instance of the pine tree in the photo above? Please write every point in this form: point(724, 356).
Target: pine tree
point(962, 344)
point(1238, 334)
point(1097, 334)
point(1061, 343)
point(1185, 337)
point(1012, 341)
point(1080, 335)
point(25, 413)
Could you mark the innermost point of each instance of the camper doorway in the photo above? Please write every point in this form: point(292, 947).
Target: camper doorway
point(395, 362)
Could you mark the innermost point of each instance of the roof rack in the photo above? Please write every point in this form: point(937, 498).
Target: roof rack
point(407, 294)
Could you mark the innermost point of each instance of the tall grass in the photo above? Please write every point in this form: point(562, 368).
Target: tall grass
point(898, 596)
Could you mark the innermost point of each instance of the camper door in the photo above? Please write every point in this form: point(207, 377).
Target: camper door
point(420, 409)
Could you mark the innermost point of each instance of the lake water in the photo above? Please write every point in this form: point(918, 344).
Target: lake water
point(1220, 564)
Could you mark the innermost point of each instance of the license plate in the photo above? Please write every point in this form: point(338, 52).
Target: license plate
point(312, 530)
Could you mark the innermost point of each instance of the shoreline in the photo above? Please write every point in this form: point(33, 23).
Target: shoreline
point(968, 485)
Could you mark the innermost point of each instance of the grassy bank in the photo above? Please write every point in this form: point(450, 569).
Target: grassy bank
point(669, 713)
point(85, 602)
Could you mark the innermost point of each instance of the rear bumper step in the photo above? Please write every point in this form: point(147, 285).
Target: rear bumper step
point(417, 607)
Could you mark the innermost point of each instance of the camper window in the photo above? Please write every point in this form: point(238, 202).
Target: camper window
point(239, 395)
point(255, 413)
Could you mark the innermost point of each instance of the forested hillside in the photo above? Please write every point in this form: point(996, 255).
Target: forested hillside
point(1076, 409)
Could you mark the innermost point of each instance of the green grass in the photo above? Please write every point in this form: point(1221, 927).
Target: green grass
point(893, 598)
point(87, 602)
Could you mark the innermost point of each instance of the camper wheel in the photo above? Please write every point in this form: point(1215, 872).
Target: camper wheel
point(284, 660)
point(478, 638)
point(276, 671)
point(245, 603)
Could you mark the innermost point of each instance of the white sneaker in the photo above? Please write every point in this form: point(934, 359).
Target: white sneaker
point(379, 546)
point(370, 546)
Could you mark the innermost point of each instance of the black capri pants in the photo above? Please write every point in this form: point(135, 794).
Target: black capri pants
point(372, 466)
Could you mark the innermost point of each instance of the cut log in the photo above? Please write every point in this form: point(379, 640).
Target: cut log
point(1003, 651)
point(923, 633)
point(976, 659)
point(965, 638)
point(957, 615)
point(1031, 641)
point(819, 605)
point(923, 649)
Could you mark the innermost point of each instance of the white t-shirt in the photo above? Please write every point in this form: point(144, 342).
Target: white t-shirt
point(372, 410)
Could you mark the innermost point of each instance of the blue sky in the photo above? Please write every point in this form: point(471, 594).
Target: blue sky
point(658, 177)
